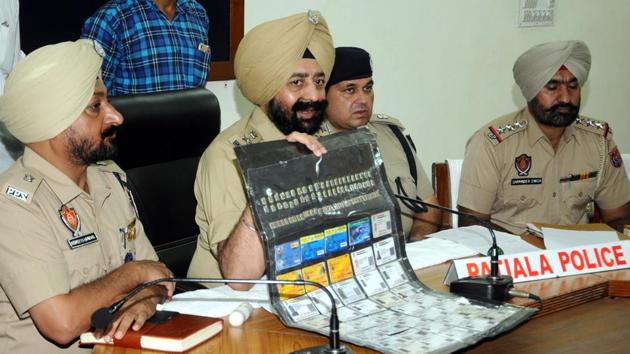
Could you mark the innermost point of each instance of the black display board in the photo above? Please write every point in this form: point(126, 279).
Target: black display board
point(333, 220)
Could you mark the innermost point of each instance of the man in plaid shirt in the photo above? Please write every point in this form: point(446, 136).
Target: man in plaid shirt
point(151, 45)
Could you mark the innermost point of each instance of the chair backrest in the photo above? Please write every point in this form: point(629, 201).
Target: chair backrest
point(446, 186)
point(159, 146)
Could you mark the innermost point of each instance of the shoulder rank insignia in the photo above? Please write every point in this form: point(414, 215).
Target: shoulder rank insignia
point(21, 187)
point(247, 138)
point(498, 134)
point(593, 125)
point(386, 119)
point(324, 130)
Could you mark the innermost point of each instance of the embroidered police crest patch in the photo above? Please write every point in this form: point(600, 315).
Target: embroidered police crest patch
point(523, 163)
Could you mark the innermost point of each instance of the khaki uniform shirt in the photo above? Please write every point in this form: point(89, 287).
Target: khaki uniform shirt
point(44, 254)
point(220, 191)
point(511, 172)
point(396, 164)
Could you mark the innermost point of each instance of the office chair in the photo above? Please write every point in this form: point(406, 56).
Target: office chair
point(159, 146)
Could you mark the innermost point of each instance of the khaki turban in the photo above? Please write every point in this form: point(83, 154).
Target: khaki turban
point(47, 91)
point(534, 68)
point(267, 55)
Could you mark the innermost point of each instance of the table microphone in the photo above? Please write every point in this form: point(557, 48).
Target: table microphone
point(491, 287)
point(102, 317)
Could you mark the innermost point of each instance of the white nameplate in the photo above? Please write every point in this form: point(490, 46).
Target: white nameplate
point(545, 264)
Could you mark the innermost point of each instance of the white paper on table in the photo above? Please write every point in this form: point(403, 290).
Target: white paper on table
point(559, 238)
point(219, 301)
point(478, 238)
point(432, 251)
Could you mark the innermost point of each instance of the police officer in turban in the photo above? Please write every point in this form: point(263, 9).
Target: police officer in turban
point(69, 239)
point(350, 95)
point(281, 66)
point(545, 162)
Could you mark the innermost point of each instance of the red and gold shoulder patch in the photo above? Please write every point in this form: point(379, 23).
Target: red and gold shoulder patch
point(615, 158)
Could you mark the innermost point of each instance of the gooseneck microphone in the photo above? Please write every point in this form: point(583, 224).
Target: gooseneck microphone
point(102, 317)
point(491, 287)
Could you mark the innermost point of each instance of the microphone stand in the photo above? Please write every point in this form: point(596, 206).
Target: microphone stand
point(485, 287)
point(102, 317)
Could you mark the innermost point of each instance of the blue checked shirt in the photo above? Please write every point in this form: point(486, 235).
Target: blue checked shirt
point(145, 52)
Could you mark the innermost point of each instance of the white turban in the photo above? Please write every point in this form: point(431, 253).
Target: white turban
point(268, 54)
point(47, 91)
point(534, 68)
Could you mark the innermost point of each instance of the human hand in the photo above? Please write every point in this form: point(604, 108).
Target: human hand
point(309, 141)
point(136, 311)
point(151, 270)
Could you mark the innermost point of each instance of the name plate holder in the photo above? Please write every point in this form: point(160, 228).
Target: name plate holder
point(545, 264)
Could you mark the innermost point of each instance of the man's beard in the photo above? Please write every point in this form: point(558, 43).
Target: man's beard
point(550, 116)
point(80, 147)
point(287, 121)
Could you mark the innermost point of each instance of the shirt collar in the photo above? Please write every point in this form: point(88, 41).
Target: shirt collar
point(65, 189)
point(325, 129)
point(179, 6)
point(569, 132)
point(534, 133)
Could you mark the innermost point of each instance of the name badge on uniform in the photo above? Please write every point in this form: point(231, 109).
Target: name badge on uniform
point(81, 241)
point(525, 181)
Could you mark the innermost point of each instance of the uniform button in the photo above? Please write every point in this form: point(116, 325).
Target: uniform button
point(86, 270)
point(554, 194)
point(523, 198)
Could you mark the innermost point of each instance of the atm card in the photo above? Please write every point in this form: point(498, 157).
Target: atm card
point(336, 239)
point(313, 247)
point(359, 231)
point(288, 255)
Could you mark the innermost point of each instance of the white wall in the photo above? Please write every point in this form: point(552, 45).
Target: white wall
point(444, 67)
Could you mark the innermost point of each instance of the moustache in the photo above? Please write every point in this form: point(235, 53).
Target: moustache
point(572, 108)
point(306, 105)
point(109, 132)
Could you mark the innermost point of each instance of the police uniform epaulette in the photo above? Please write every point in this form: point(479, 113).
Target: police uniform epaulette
point(593, 125)
point(324, 129)
point(249, 136)
point(20, 185)
point(381, 118)
point(497, 133)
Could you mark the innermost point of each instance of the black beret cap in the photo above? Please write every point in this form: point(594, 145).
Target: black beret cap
point(351, 63)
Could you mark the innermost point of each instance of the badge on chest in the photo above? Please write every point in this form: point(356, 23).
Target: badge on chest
point(522, 165)
point(72, 221)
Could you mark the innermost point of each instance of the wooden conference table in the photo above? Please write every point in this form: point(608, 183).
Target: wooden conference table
point(583, 313)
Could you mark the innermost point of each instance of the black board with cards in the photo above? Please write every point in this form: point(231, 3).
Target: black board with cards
point(333, 220)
